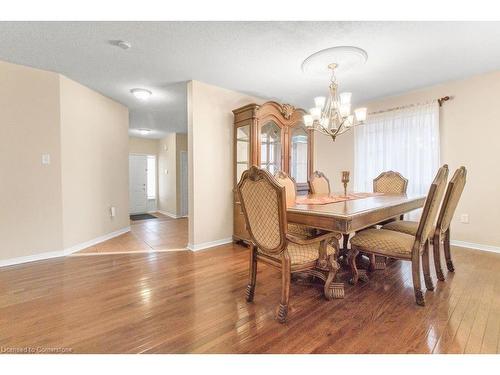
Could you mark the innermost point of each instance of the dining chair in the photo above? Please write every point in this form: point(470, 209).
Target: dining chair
point(263, 201)
point(441, 232)
point(388, 182)
point(414, 248)
point(319, 184)
point(291, 195)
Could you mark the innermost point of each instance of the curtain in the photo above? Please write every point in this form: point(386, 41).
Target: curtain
point(404, 140)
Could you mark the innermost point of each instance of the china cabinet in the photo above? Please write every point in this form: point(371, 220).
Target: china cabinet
point(271, 136)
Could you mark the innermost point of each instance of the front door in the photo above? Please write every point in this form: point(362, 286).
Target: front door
point(138, 165)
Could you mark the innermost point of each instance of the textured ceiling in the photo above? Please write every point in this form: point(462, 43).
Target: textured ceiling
point(259, 58)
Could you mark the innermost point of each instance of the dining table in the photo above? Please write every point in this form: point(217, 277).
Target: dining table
point(351, 213)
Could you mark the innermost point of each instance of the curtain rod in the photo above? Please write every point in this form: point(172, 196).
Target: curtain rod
point(439, 100)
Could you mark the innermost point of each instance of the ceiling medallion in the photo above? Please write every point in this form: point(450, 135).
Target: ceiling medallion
point(332, 116)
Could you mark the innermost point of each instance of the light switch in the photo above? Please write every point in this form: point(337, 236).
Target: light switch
point(464, 218)
point(46, 159)
point(113, 211)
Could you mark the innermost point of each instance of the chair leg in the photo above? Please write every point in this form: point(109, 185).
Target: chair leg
point(415, 270)
point(426, 267)
point(353, 253)
point(447, 253)
point(285, 288)
point(331, 289)
point(436, 244)
point(253, 274)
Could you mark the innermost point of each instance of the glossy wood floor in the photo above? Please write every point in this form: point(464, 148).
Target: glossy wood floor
point(163, 233)
point(185, 302)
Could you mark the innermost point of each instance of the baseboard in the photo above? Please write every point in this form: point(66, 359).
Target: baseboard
point(476, 246)
point(30, 258)
point(95, 241)
point(67, 251)
point(173, 216)
point(207, 245)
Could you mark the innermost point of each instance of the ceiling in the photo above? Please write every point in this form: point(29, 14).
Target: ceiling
point(258, 58)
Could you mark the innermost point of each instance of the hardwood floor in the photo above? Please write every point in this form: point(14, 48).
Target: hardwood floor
point(159, 234)
point(185, 302)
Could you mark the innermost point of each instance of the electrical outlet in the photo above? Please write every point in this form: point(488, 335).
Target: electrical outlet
point(464, 218)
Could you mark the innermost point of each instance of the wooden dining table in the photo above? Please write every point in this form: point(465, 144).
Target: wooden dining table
point(352, 215)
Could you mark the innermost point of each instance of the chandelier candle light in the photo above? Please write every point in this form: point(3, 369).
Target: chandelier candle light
point(333, 116)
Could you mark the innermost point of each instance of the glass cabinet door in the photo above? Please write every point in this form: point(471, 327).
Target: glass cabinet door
point(270, 147)
point(298, 153)
point(242, 150)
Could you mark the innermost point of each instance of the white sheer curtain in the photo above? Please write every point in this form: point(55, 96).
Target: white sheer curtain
point(404, 140)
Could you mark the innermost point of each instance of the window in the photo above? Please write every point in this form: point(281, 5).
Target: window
point(405, 141)
point(151, 177)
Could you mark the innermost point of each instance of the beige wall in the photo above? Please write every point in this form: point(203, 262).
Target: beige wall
point(30, 193)
point(210, 143)
point(469, 136)
point(46, 209)
point(332, 158)
point(146, 146)
point(94, 145)
point(167, 170)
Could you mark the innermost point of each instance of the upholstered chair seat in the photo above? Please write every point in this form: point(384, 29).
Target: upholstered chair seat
point(403, 226)
point(301, 254)
point(384, 242)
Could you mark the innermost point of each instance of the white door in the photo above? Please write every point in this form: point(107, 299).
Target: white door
point(138, 196)
point(184, 184)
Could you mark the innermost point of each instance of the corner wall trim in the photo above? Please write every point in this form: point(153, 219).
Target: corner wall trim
point(206, 245)
point(61, 253)
point(476, 246)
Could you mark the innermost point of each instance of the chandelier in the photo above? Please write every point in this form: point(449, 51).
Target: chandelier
point(332, 116)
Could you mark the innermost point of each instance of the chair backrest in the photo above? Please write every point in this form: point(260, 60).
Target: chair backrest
point(319, 184)
point(290, 188)
point(451, 199)
point(390, 182)
point(431, 205)
point(264, 207)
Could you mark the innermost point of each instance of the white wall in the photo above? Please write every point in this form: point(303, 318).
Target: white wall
point(210, 145)
point(470, 132)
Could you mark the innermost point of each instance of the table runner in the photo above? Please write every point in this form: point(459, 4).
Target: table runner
point(334, 198)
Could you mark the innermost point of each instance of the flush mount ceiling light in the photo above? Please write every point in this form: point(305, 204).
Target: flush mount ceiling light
point(332, 116)
point(144, 131)
point(123, 44)
point(141, 94)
